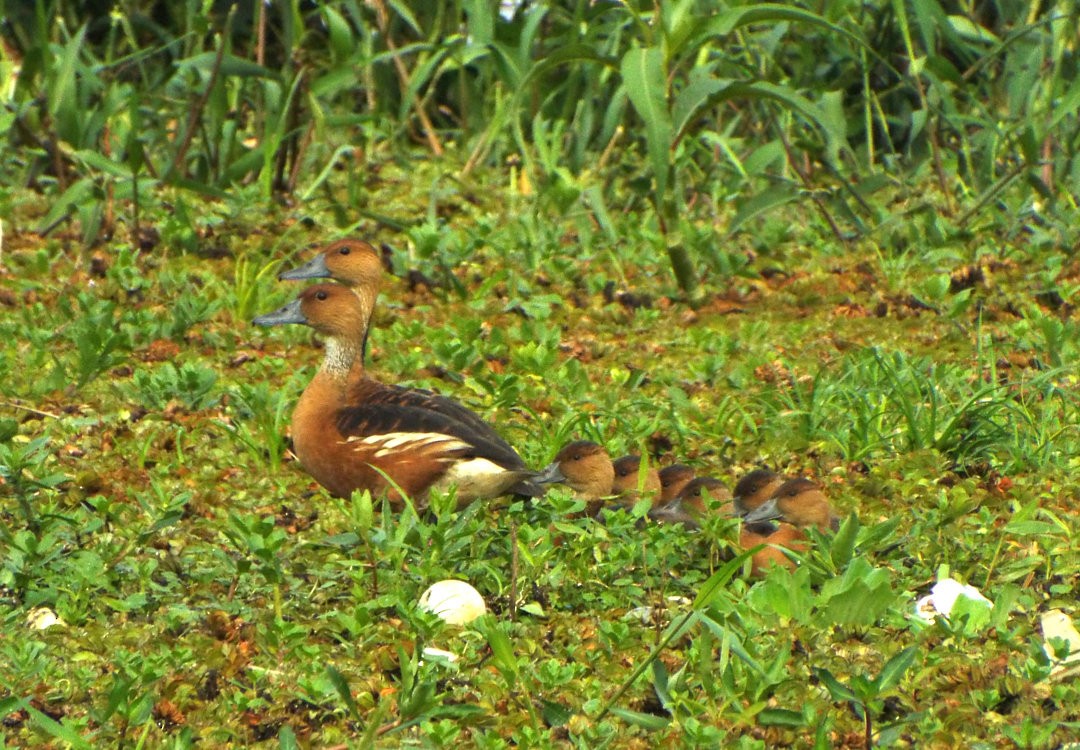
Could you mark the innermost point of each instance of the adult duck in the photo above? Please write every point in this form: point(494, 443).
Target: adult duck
point(357, 265)
point(351, 432)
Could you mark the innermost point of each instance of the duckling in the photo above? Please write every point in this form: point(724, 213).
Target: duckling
point(693, 502)
point(629, 483)
point(585, 467)
point(673, 479)
point(798, 502)
point(755, 488)
point(365, 435)
point(776, 538)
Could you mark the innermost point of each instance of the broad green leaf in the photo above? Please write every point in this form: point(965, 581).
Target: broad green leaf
point(341, 685)
point(843, 544)
point(555, 714)
point(660, 683)
point(576, 53)
point(78, 194)
point(895, 667)
point(56, 729)
point(781, 717)
point(341, 36)
point(699, 91)
point(969, 30)
point(726, 21)
point(770, 198)
point(481, 21)
point(102, 163)
point(62, 92)
point(838, 690)
point(287, 738)
point(859, 597)
point(500, 649)
point(403, 10)
point(645, 78)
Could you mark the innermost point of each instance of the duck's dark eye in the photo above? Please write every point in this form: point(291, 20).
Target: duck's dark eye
point(320, 296)
point(345, 250)
point(576, 457)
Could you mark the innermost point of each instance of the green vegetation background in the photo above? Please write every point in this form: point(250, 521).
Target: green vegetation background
point(838, 239)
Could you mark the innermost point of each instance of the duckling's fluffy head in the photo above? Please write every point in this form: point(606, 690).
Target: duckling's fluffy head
point(692, 503)
point(583, 466)
point(802, 503)
point(673, 479)
point(755, 488)
point(696, 495)
point(799, 502)
point(628, 477)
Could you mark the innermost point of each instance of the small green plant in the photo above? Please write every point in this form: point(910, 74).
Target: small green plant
point(252, 280)
point(865, 694)
point(23, 469)
point(261, 544)
point(191, 384)
point(260, 413)
point(96, 336)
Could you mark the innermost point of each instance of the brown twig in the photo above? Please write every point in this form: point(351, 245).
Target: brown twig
point(382, 19)
point(805, 179)
point(513, 564)
point(30, 409)
point(200, 105)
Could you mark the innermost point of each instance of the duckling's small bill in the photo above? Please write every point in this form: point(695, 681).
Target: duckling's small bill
point(550, 474)
point(766, 512)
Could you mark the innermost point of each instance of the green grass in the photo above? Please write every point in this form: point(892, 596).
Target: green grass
point(840, 245)
point(211, 591)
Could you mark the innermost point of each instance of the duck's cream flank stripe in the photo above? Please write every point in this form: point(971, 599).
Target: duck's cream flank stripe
point(392, 441)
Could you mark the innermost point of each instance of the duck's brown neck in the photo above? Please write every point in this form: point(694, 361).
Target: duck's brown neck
point(342, 357)
point(367, 302)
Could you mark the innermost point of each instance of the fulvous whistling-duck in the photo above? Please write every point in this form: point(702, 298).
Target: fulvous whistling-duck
point(798, 502)
point(352, 262)
point(357, 265)
point(673, 479)
point(358, 434)
point(631, 482)
point(585, 467)
point(755, 488)
point(691, 505)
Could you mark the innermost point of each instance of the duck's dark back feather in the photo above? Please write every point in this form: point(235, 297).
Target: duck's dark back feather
point(384, 409)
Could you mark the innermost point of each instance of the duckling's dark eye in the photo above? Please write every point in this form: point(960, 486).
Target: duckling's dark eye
point(576, 457)
point(345, 250)
point(320, 296)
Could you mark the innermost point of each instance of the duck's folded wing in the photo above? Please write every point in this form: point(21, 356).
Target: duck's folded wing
point(397, 427)
point(373, 392)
